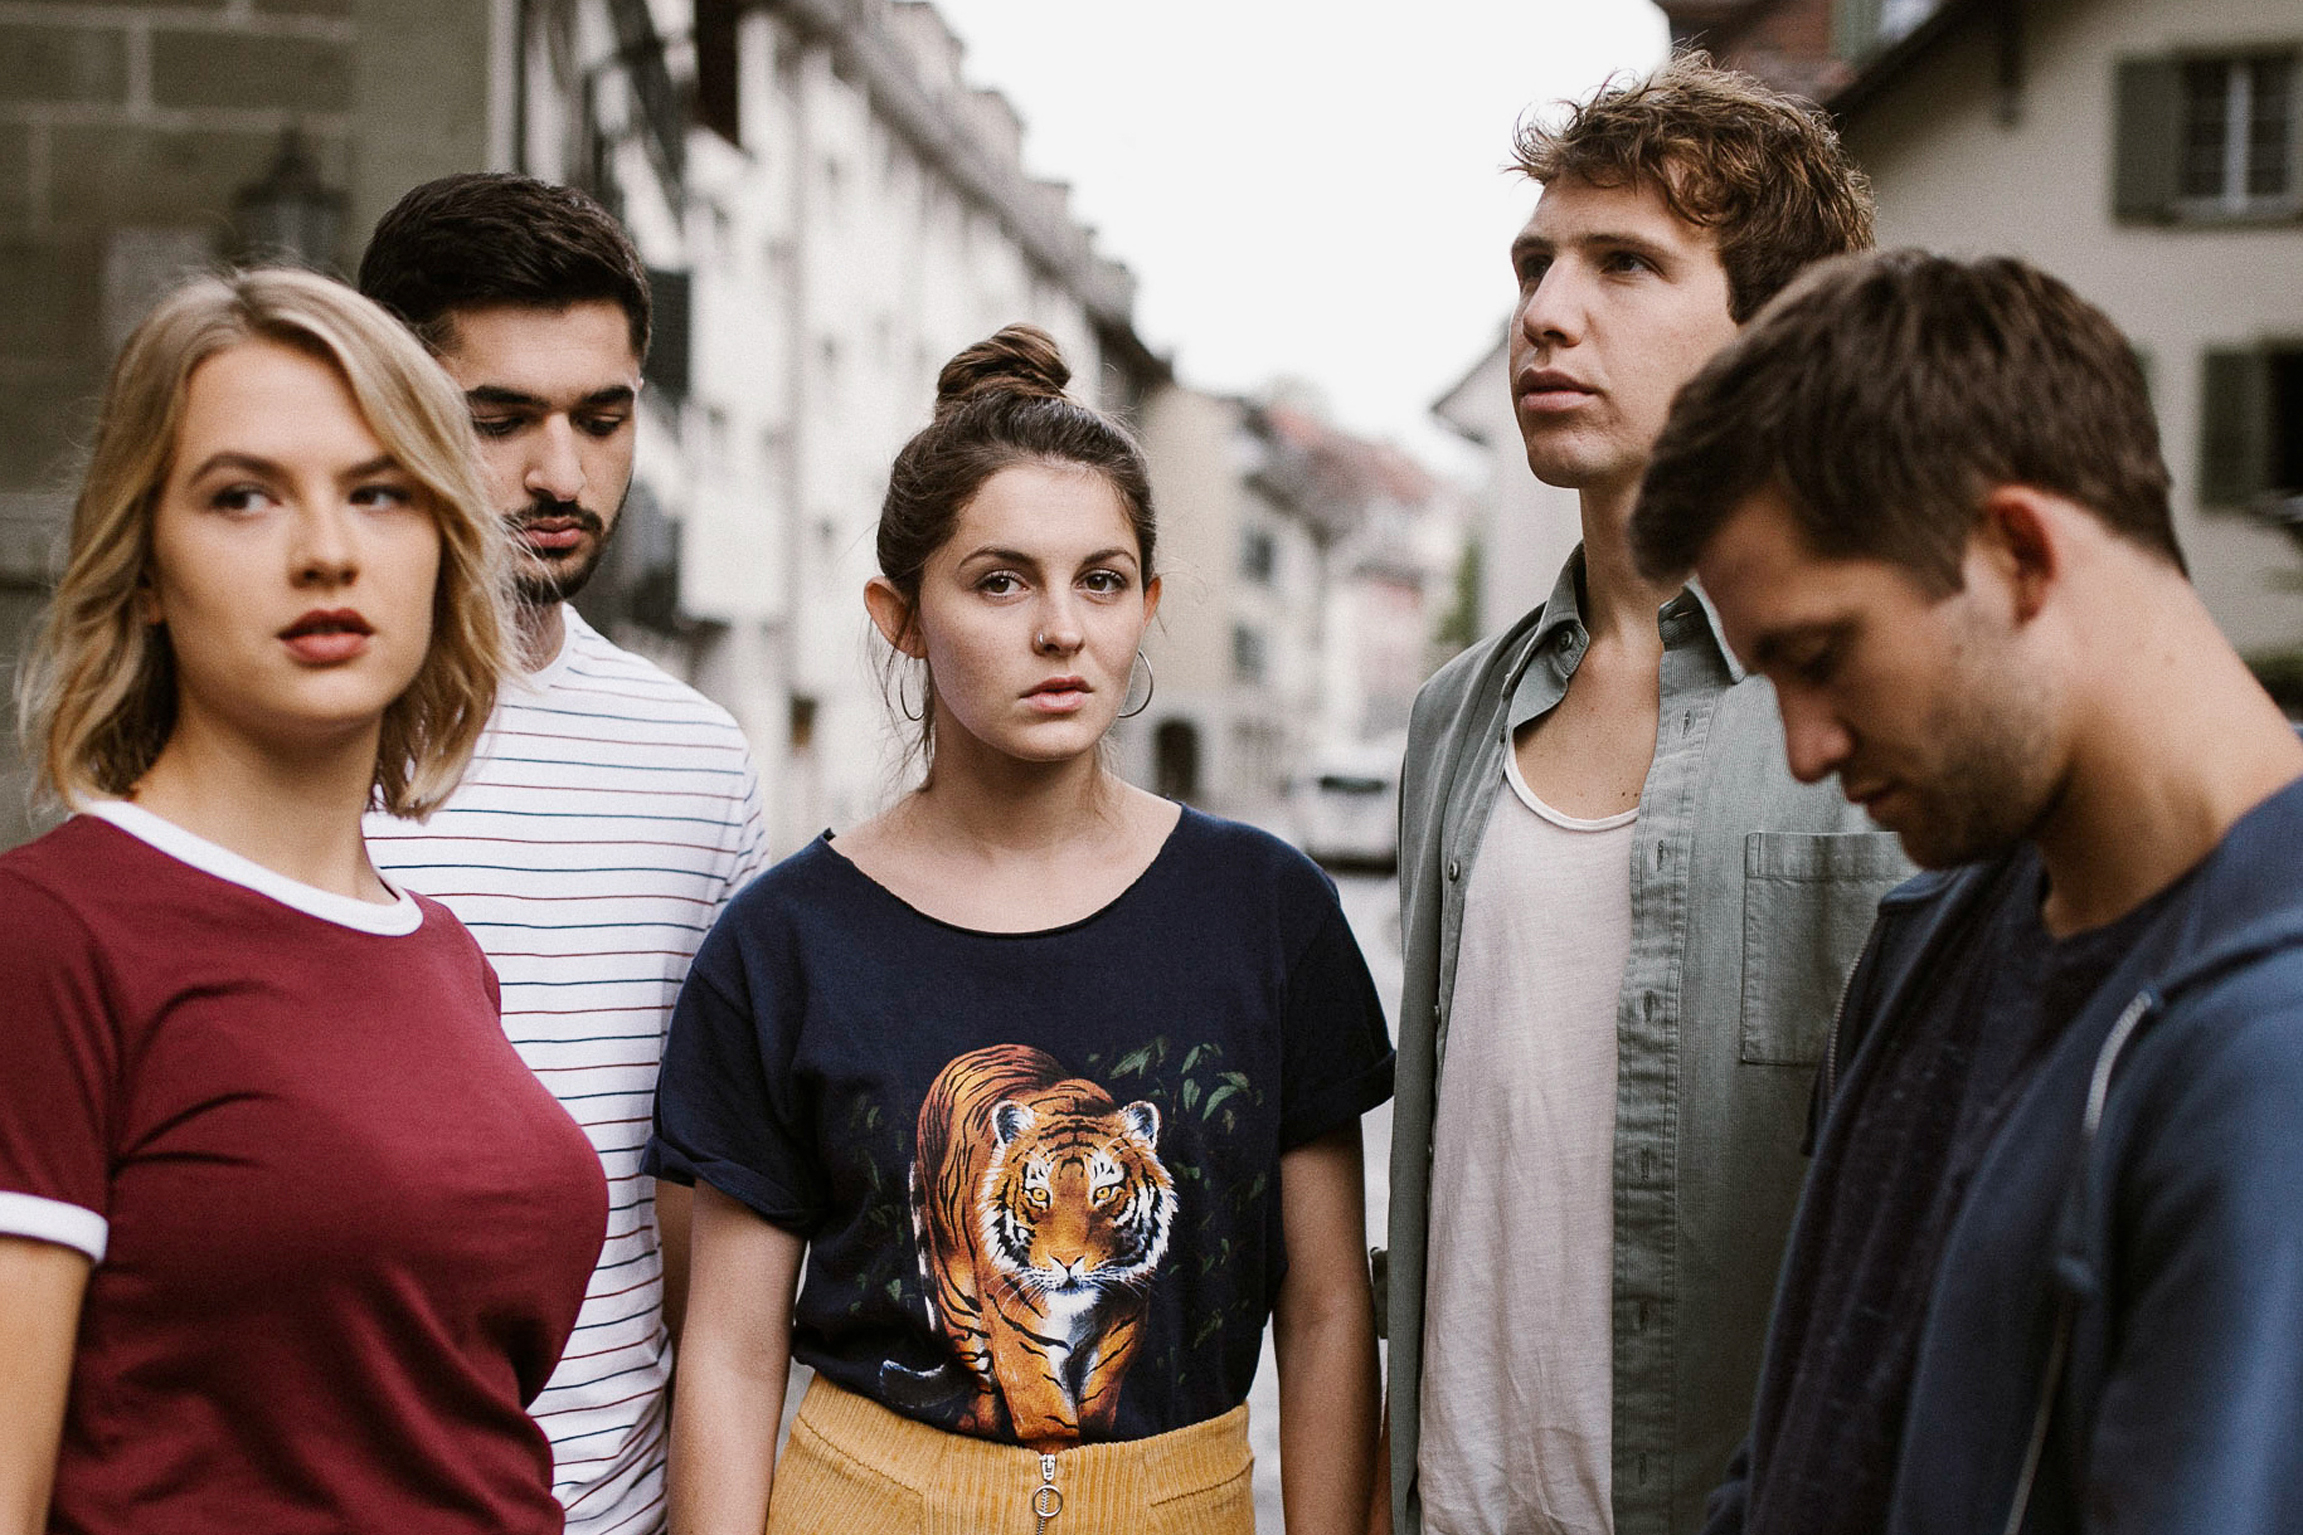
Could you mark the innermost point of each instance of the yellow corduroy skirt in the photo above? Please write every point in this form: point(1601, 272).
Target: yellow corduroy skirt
point(852, 1467)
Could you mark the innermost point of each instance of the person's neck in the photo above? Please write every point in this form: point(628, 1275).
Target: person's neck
point(297, 815)
point(2173, 744)
point(543, 629)
point(1619, 603)
point(996, 809)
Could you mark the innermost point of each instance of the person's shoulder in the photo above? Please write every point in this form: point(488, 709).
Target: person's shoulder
point(1460, 675)
point(800, 887)
point(1253, 861)
point(75, 891)
point(81, 859)
point(597, 666)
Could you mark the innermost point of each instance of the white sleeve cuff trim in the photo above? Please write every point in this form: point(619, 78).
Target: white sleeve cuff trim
point(52, 1220)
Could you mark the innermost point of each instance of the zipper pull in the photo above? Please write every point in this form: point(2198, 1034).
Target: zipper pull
point(1047, 1498)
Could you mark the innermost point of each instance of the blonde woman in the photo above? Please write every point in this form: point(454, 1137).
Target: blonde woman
point(288, 1233)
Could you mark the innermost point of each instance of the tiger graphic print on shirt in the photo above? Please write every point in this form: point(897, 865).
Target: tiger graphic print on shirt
point(1041, 1212)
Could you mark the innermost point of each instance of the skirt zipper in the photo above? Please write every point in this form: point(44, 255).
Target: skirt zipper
point(1047, 1499)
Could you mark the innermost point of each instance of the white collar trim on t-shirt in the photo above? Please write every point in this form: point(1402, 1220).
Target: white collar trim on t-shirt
point(400, 918)
point(1559, 818)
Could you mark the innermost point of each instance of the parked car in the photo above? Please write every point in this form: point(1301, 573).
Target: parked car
point(1345, 805)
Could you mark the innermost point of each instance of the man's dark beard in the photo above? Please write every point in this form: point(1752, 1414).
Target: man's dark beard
point(556, 583)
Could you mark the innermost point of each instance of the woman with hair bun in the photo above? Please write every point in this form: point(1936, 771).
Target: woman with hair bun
point(1050, 1086)
point(289, 1235)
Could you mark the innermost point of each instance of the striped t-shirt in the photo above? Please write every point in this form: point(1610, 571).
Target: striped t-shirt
point(609, 815)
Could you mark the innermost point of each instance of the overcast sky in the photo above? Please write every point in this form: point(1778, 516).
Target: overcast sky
point(1302, 189)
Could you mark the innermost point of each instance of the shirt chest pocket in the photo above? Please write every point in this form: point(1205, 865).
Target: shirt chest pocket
point(1809, 899)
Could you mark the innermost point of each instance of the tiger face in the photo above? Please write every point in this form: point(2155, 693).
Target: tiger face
point(1075, 1203)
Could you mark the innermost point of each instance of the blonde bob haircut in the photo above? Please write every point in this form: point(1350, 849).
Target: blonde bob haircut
point(99, 691)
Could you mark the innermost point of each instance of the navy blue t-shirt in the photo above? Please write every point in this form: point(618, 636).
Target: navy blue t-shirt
point(1038, 1172)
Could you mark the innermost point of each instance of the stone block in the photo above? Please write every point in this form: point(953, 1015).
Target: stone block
point(15, 175)
point(63, 63)
point(50, 296)
point(105, 176)
point(229, 69)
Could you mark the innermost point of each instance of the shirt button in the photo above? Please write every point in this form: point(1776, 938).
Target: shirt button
point(1454, 869)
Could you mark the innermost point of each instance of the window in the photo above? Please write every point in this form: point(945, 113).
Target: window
point(1175, 760)
point(1247, 654)
point(2208, 137)
point(1258, 557)
point(2251, 430)
point(2236, 127)
point(672, 295)
point(718, 85)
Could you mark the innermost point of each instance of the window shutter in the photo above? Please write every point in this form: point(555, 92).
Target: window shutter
point(668, 347)
point(2234, 435)
point(2148, 139)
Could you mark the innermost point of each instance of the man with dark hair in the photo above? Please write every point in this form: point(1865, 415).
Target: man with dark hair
point(611, 811)
point(1624, 923)
point(2048, 1271)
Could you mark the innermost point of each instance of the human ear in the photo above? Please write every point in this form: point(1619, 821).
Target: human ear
point(893, 617)
point(2019, 532)
point(1151, 600)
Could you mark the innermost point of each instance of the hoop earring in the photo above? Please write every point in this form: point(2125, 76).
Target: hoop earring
point(903, 701)
point(1151, 686)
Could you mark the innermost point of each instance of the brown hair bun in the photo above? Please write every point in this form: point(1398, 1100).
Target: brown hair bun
point(1019, 360)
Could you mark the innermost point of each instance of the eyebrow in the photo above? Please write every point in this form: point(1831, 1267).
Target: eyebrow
point(1018, 557)
point(253, 463)
point(1769, 648)
point(1597, 238)
point(498, 394)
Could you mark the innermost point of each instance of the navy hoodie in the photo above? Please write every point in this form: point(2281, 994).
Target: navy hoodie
point(2120, 1299)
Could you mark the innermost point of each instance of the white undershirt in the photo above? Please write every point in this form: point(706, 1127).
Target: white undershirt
point(1518, 1393)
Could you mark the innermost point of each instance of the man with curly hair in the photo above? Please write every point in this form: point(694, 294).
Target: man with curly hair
point(1625, 923)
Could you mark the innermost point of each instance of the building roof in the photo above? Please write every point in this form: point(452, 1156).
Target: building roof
point(1792, 45)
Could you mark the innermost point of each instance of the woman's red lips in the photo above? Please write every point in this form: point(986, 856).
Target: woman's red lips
point(327, 635)
point(1061, 685)
point(328, 621)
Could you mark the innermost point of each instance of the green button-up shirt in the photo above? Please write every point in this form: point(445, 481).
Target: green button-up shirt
point(1751, 895)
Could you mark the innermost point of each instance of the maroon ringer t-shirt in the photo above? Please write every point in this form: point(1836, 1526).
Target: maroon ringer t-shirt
point(341, 1232)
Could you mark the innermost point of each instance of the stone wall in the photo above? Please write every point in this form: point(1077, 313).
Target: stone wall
point(126, 131)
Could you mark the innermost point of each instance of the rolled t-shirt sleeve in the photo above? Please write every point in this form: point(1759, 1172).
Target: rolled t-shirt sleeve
point(725, 1104)
point(58, 1040)
point(1335, 1050)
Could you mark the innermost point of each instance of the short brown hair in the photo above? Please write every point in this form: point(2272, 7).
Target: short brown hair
point(1885, 396)
point(1764, 172)
point(492, 237)
point(99, 689)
